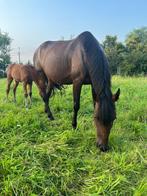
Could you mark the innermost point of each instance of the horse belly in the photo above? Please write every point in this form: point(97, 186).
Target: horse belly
point(64, 74)
point(58, 72)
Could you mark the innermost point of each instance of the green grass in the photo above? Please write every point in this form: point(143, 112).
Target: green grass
point(39, 157)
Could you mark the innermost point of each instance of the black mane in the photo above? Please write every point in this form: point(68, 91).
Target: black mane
point(98, 68)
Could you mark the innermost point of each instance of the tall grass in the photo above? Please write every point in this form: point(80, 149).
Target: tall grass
point(41, 157)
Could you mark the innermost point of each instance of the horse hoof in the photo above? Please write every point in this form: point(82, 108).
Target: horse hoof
point(102, 147)
point(51, 118)
point(45, 111)
point(74, 126)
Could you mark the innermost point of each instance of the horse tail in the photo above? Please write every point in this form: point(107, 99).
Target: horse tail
point(8, 68)
point(97, 66)
point(57, 87)
point(36, 59)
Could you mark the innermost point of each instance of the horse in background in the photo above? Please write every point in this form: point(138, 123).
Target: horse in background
point(25, 74)
point(80, 61)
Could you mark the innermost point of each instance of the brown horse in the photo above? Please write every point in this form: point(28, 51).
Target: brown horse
point(80, 61)
point(25, 74)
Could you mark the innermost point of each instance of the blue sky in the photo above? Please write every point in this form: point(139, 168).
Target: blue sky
point(31, 22)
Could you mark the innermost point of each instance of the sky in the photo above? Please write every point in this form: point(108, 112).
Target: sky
point(31, 22)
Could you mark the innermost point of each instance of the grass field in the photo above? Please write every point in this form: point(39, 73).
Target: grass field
point(39, 157)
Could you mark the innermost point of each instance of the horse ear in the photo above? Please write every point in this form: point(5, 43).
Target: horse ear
point(115, 97)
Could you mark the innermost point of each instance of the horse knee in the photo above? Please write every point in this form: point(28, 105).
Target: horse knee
point(76, 107)
point(44, 98)
point(43, 95)
point(7, 90)
point(30, 94)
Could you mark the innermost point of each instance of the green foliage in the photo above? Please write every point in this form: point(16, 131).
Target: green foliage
point(129, 58)
point(136, 43)
point(5, 42)
point(115, 52)
point(41, 157)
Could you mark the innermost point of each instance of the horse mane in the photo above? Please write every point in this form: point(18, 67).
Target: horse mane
point(97, 66)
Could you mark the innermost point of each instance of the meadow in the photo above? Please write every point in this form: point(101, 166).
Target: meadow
point(42, 157)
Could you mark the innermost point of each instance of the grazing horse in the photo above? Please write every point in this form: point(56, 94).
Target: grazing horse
point(25, 74)
point(80, 61)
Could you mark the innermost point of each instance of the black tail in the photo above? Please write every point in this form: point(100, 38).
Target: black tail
point(57, 87)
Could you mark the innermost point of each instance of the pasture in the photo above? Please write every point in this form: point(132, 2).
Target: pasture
point(42, 157)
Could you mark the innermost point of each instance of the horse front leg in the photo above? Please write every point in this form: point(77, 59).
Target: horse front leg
point(76, 102)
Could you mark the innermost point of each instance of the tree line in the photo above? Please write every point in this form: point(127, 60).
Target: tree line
point(130, 57)
point(5, 42)
point(125, 58)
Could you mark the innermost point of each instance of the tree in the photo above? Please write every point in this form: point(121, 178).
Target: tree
point(136, 59)
point(115, 52)
point(5, 42)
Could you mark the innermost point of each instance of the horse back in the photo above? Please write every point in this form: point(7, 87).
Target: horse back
point(20, 72)
point(27, 73)
point(13, 72)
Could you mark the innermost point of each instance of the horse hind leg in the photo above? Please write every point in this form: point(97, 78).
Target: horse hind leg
point(45, 94)
point(14, 89)
point(76, 101)
point(25, 94)
point(29, 87)
point(46, 100)
point(9, 81)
